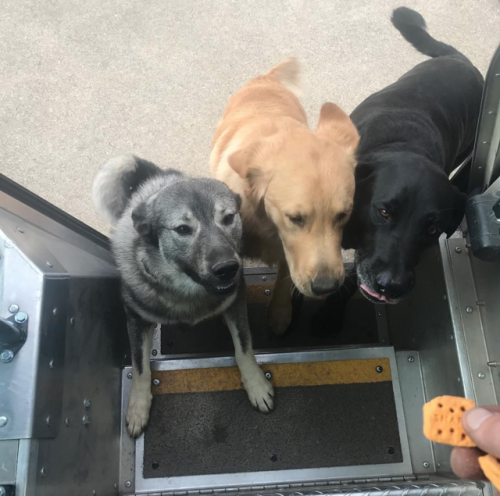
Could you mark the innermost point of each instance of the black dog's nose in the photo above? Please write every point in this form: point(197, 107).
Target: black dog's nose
point(394, 287)
point(324, 285)
point(226, 270)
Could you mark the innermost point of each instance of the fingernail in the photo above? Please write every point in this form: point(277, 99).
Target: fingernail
point(475, 418)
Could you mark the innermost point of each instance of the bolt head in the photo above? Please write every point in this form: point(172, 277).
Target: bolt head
point(14, 308)
point(154, 352)
point(129, 375)
point(21, 317)
point(469, 309)
point(2, 491)
point(66, 422)
point(51, 364)
point(267, 292)
point(269, 375)
point(72, 321)
point(48, 420)
point(87, 403)
point(411, 359)
point(426, 464)
point(7, 356)
point(86, 420)
point(128, 484)
point(481, 375)
point(379, 369)
point(3, 421)
point(156, 382)
point(458, 249)
point(264, 278)
point(54, 312)
point(43, 472)
point(49, 264)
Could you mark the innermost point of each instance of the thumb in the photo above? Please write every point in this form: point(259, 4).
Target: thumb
point(482, 425)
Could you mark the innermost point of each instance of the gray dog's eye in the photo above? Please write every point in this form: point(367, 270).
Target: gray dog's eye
point(183, 230)
point(228, 219)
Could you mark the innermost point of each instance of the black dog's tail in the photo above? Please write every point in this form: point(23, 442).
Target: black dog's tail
point(414, 29)
point(117, 181)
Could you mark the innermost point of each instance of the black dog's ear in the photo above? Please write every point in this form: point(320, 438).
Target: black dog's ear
point(457, 213)
point(237, 197)
point(143, 224)
point(363, 170)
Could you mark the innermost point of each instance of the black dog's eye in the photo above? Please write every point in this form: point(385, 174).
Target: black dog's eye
point(228, 219)
point(183, 230)
point(432, 231)
point(298, 220)
point(384, 213)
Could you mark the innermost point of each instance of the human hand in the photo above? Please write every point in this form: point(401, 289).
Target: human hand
point(482, 425)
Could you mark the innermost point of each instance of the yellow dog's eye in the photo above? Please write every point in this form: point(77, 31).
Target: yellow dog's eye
point(297, 219)
point(384, 213)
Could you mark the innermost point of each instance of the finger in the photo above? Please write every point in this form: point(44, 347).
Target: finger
point(465, 464)
point(483, 426)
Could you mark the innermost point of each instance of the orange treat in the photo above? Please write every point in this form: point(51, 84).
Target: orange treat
point(491, 468)
point(443, 421)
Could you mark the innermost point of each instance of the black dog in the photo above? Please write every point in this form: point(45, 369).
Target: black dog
point(411, 135)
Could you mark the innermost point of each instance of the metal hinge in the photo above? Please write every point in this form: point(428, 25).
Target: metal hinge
point(327, 485)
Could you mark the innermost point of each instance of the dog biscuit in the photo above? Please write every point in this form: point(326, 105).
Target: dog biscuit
point(443, 421)
point(491, 468)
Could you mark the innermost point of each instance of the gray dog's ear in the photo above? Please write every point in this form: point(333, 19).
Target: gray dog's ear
point(237, 197)
point(143, 224)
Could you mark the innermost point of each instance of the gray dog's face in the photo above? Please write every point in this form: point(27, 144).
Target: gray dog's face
point(196, 227)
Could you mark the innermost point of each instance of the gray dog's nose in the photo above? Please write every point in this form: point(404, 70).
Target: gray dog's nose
point(226, 270)
point(324, 285)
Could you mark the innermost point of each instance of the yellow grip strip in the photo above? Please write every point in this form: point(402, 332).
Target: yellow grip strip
point(283, 375)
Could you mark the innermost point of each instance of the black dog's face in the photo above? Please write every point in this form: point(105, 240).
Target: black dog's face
point(402, 205)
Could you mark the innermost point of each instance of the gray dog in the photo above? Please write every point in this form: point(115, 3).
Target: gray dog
point(176, 242)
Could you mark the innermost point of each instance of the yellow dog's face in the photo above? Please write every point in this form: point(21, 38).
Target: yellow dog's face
point(306, 183)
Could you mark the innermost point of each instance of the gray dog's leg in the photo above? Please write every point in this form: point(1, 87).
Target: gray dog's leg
point(141, 336)
point(260, 391)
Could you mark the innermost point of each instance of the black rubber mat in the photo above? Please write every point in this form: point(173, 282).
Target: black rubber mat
point(359, 327)
point(311, 427)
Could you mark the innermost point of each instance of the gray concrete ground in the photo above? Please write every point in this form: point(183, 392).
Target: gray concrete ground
point(84, 80)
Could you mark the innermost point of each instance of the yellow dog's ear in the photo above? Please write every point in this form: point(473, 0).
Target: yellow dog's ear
point(334, 124)
point(243, 163)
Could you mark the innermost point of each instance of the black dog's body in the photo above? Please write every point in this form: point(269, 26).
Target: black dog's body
point(411, 135)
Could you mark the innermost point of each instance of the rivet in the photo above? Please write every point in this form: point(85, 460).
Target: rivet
point(14, 308)
point(66, 422)
point(154, 352)
point(43, 472)
point(3, 421)
point(51, 364)
point(54, 312)
point(156, 382)
point(87, 403)
point(411, 359)
point(72, 321)
point(155, 465)
point(458, 249)
point(21, 317)
point(493, 364)
point(129, 375)
point(485, 142)
point(480, 303)
point(49, 264)
point(86, 420)
point(269, 375)
point(273, 457)
point(48, 420)
point(426, 464)
point(267, 292)
point(445, 297)
point(7, 356)
point(481, 375)
point(128, 484)
point(94, 492)
point(264, 278)
point(379, 369)
point(20, 230)
point(469, 309)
